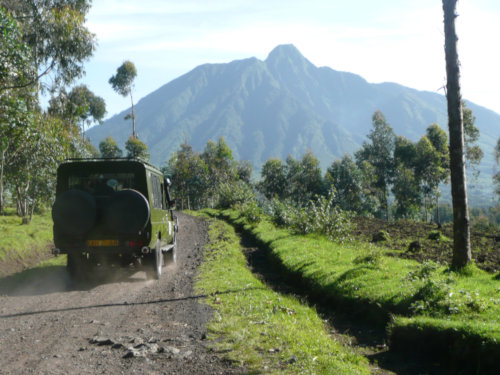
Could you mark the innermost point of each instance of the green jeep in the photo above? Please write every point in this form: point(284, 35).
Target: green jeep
point(111, 213)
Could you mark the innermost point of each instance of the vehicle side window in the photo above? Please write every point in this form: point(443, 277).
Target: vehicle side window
point(155, 191)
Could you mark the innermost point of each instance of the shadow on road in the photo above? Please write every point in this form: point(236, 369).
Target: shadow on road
point(55, 279)
point(124, 304)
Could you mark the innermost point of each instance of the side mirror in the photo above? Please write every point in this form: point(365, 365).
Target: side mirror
point(167, 182)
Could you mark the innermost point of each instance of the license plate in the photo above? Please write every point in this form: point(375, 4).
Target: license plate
point(102, 242)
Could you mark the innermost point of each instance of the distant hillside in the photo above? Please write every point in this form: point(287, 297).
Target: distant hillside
point(282, 106)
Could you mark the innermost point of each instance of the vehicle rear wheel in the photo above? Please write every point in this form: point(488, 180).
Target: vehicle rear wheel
point(154, 269)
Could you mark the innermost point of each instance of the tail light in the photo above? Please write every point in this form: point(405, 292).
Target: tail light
point(145, 250)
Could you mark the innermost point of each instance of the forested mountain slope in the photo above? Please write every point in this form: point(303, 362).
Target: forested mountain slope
point(282, 106)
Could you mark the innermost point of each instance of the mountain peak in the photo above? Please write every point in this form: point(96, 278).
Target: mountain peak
point(285, 50)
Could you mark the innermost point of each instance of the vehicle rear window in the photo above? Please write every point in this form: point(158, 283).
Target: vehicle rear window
point(101, 184)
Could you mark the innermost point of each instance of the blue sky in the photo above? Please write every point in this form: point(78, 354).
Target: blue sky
point(383, 41)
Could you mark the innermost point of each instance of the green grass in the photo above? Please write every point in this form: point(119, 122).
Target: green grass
point(460, 312)
point(18, 240)
point(250, 319)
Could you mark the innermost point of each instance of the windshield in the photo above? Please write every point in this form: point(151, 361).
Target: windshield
point(101, 184)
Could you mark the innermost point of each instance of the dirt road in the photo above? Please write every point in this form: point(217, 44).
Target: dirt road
point(53, 327)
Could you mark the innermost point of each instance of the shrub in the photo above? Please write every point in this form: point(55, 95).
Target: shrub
point(280, 212)
point(238, 193)
point(253, 213)
point(322, 217)
point(483, 224)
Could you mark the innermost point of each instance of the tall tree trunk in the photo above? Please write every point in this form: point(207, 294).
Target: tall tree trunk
point(437, 208)
point(386, 198)
point(461, 230)
point(425, 207)
point(133, 115)
point(1, 181)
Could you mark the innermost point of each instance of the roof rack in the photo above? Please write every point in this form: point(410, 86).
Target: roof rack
point(112, 159)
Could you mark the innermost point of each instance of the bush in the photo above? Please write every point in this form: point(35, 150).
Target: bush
point(253, 213)
point(318, 216)
point(280, 212)
point(238, 193)
point(483, 224)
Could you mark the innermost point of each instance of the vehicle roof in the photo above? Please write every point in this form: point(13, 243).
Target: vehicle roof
point(69, 165)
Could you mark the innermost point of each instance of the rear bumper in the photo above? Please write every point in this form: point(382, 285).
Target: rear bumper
point(106, 251)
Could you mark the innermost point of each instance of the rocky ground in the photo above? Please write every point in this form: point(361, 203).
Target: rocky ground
point(124, 326)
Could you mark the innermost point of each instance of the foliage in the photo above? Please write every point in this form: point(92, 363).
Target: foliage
point(109, 148)
point(16, 68)
point(122, 82)
point(136, 149)
point(496, 176)
point(252, 212)
point(473, 153)
point(273, 182)
point(236, 193)
point(303, 180)
point(55, 32)
point(483, 224)
point(345, 177)
point(406, 187)
point(281, 212)
point(319, 216)
point(380, 154)
point(244, 170)
point(80, 105)
point(218, 158)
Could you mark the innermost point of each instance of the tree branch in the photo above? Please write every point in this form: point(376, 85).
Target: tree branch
point(47, 71)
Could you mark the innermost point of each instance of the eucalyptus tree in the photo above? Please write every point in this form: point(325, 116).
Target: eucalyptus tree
point(109, 148)
point(496, 176)
point(244, 169)
point(136, 149)
point(15, 70)
point(345, 176)
point(473, 153)
point(16, 67)
point(123, 83)
point(220, 168)
point(406, 186)
point(380, 154)
point(273, 182)
point(429, 170)
point(439, 139)
point(55, 32)
point(80, 106)
point(31, 173)
point(461, 224)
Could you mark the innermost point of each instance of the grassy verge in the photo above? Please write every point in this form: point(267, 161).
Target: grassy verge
point(18, 240)
point(259, 328)
point(427, 308)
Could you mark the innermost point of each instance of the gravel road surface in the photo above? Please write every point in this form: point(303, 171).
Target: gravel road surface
point(127, 325)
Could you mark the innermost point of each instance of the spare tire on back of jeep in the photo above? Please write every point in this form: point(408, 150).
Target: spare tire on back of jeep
point(126, 211)
point(74, 212)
